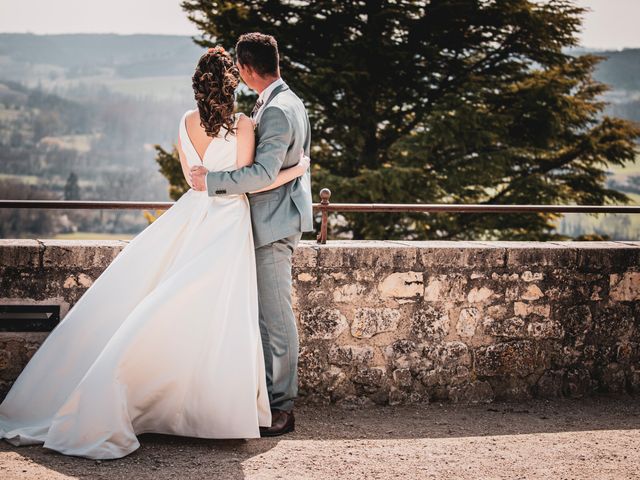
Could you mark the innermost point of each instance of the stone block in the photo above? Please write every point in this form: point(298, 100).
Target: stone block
point(613, 320)
point(545, 329)
point(434, 289)
point(525, 309)
point(467, 322)
point(624, 287)
point(498, 311)
point(533, 254)
point(473, 392)
point(371, 321)
point(350, 293)
point(321, 323)
point(403, 354)
point(612, 378)
point(479, 295)
point(305, 255)
point(375, 377)
point(532, 292)
point(430, 323)
point(607, 256)
point(512, 327)
point(529, 276)
point(335, 381)
point(366, 254)
point(443, 255)
point(577, 382)
point(21, 253)
point(448, 355)
point(80, 254)
point(402, 377)
point(402, 285)
point(350, 355)
point(312, 364)
point(549, 385)
point(446, 288)
point(305, 277)
point(516, 358)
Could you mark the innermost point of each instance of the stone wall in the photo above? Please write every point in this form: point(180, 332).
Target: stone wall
point(391, 322)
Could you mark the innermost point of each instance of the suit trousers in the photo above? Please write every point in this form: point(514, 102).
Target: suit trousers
point(278, 329)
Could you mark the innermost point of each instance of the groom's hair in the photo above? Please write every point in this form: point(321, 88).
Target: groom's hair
point(259, 51)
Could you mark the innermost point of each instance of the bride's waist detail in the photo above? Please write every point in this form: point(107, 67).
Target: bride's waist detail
point(222, 197)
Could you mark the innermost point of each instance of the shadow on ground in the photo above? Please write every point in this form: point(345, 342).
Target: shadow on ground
point(580, 437)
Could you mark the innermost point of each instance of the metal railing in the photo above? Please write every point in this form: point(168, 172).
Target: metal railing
point(325, 207)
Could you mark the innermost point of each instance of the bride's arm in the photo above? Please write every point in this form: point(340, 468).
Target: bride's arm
point(246, 151)
point(183, 162)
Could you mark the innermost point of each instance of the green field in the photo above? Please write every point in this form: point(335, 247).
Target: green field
point(26, 179)
point(79, 143)
point(35, 180)
point(162, 87)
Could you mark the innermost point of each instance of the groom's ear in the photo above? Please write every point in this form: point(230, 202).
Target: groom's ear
point(246, 72)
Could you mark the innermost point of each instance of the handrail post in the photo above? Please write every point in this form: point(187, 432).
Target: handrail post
point(325, 195)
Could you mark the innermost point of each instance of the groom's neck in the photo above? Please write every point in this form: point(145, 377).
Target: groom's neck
point(264, 82)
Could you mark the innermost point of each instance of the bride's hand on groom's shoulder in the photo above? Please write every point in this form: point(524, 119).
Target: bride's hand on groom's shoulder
point(197, 174)
point(304, 163)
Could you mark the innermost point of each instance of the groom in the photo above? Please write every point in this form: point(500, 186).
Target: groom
point(278, 216)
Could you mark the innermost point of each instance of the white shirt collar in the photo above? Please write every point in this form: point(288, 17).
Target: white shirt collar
point(264, 95)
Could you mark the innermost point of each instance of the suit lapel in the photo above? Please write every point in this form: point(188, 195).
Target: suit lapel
point(280, 88)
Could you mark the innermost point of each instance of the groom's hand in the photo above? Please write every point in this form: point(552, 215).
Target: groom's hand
point(196, 176)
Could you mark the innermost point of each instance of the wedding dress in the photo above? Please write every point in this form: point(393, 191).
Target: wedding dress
point(165, 340)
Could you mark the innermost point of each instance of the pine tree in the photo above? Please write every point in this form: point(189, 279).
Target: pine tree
point(71, 188)
point(441, 101)
point(171, 168)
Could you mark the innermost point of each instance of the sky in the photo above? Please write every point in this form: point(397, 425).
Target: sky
point(611, 24)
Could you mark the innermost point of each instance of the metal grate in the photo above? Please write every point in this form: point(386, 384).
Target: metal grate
point(29, 318)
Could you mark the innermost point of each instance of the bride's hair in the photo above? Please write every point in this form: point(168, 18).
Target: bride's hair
point(214, 83)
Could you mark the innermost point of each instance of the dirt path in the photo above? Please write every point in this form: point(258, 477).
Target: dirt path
point(596, 438)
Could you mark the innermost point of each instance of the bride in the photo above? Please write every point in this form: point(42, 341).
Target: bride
point(166, 340)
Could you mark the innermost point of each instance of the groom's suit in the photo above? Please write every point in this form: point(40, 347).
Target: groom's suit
point(278, 217)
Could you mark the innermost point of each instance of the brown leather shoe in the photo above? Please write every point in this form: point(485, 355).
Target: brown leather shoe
point(282, 421)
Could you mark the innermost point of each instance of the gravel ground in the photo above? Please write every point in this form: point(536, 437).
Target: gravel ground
point(592, 438)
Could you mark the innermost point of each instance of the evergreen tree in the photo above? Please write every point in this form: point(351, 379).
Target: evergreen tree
point(171, 168)
point(441, 101)
point(71, 188)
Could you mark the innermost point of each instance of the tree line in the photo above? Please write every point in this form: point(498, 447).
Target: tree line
point(441, 101)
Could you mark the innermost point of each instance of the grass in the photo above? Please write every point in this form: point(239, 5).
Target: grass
point(79, 143)
point(26, 179)
point(158, 87)
point(35, 180)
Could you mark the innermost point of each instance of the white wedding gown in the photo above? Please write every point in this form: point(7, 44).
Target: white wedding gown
point(166, 339)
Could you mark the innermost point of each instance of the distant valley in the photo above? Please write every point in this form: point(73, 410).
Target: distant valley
point(94, 105)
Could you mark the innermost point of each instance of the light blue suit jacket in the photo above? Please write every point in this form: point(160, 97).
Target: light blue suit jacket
point(282, 132)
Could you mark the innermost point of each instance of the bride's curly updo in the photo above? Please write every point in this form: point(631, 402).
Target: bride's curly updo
point(214, 83)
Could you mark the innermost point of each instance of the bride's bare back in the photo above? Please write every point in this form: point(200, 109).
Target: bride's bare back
point(245, 149)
